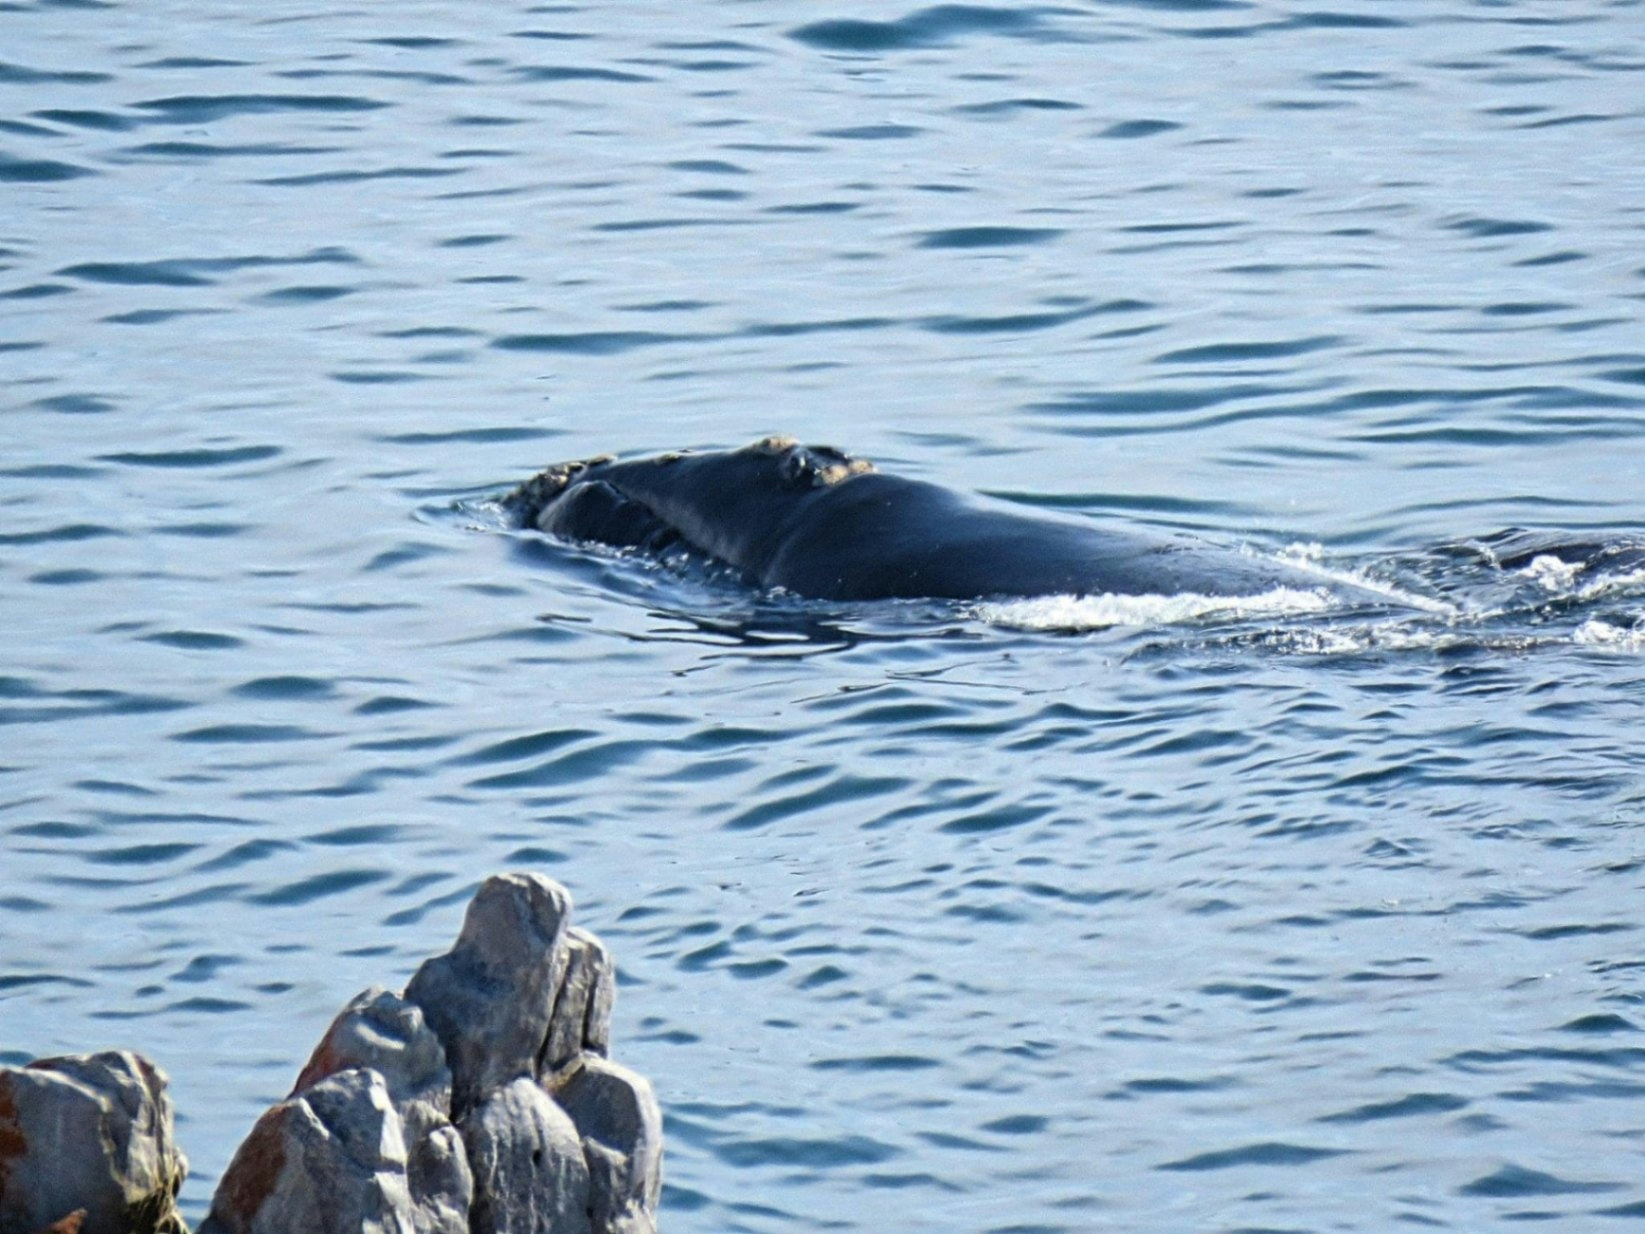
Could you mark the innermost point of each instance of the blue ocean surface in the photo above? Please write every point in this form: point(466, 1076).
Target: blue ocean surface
point(1065, 915)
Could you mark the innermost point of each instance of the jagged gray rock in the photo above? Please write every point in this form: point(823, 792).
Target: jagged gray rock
point(581, 1019)
point(621, 1127)
point(330, 1160)
point(529, 1173)
point(91, 1131)
point(384, 1032)
point(381, 1030)
point(602, 1000)
point(442, 1185)
point(490, 998)
point(506, 1032)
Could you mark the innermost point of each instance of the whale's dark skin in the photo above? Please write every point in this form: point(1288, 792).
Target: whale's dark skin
point(817, 522)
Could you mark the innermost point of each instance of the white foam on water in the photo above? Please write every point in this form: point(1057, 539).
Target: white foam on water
point(1598, 632)
point(1398, 638)
point(1070, 612)
point(1605, 585)
point(1553, 573)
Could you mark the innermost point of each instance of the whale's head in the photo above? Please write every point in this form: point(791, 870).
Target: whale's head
point(734, 504)
point(729, 504)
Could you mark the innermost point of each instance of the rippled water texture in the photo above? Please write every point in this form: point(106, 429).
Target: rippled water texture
point(930, 918)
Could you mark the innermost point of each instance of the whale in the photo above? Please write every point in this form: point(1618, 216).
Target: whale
point(816, 522)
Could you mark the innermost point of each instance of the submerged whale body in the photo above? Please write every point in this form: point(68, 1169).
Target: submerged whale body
point(817, 522)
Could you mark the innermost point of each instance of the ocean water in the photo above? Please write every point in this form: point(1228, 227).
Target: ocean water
point(1068, 915)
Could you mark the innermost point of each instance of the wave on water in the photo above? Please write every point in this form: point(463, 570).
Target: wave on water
point(1547, 601)
point(1074, 613)
point(1585, 597)
point(1602, 633)
point(1311, 557)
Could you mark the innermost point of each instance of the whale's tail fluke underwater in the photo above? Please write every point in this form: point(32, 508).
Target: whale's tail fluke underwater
point(817, 522)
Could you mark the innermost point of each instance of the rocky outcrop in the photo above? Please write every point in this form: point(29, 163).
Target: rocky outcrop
point(480, 1101)
point(581, 1020)
point(491, 997)
point(331, 1160)
point(386, 1034)
point(621, 1127)
point(530, 1174)
point(88, 1134)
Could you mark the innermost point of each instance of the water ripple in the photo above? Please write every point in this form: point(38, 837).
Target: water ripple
point(1264, 1154)
point(987, 237)
point(1512, 1181)
point(931, 27)
point(206, 108)
point(38, 171)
